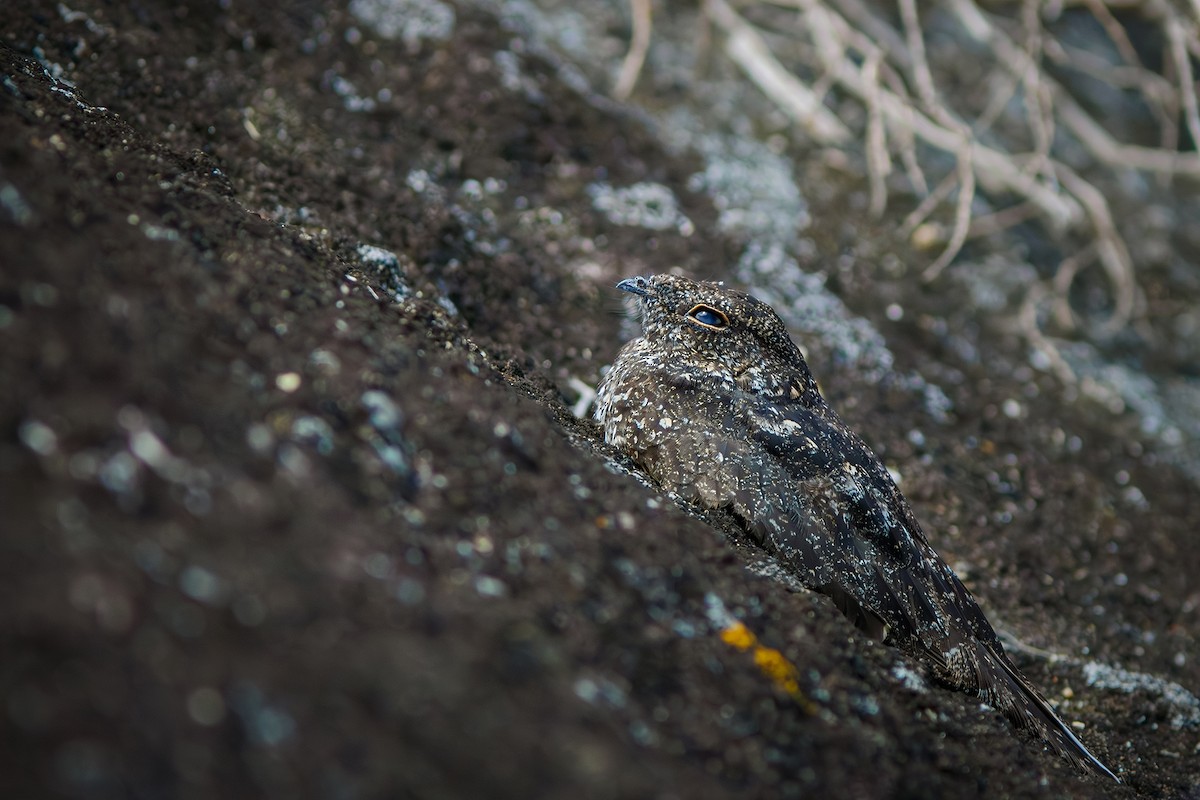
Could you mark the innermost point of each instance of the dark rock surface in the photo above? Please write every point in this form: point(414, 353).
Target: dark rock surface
point(293, 503)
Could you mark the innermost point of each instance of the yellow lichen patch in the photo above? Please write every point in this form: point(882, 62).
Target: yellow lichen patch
point(739, 636)
point(776, 666)
point(773, 663)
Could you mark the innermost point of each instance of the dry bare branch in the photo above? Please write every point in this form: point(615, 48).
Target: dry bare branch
point(851, 48)
point(1064, 276)
point(639, 45)
point(962, 213)
point(1027, 320)
point(879, 163)
point(745, 46)
point(903, 137)
point(1110, 247)
point(1097, 140)
point(927, 205)
point(994, 169)
point(922, 76)
point(1177, 39)
point(1115, 32)
point(1005, 218)
point(1038, 104)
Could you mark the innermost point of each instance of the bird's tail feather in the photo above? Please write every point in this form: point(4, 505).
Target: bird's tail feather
point(1008, 690)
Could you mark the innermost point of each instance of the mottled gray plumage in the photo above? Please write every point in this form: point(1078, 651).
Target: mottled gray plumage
point(717, 404)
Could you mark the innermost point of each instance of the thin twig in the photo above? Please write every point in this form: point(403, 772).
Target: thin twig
point(1183, 69)
point(879, 163)
point(926, 207)
point(1064, 276)
point(922, 76)
point(962, 213)
point(1037, 99)
point(1116, 32)
point(1027, 320)
point(639, 45)
point(1110, 247)
point(1005, 218)
point(903, 137)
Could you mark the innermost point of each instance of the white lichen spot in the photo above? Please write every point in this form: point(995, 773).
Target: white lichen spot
point(325, 361)
point(386, 265)
point(201, 585)
point(377, 257)
point(751, 187)
point(260, 438)
point(158, 233)
point(513, 78)
point(418, 180)
point(909, 678)
point(718, 614)
point(645, 205)
point(351, 99)
point(314, 431)
point(1184, 706)
point(488, 586)
point(598, 692)
point(411, 21)
point(15, 206)
point(38, 437)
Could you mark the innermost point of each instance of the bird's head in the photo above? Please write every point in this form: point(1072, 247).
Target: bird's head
point(720, 330)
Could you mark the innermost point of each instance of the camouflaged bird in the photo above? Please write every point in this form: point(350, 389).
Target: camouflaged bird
point(717, 404)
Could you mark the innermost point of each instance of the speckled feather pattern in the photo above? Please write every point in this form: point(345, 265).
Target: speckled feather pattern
point(729, 415)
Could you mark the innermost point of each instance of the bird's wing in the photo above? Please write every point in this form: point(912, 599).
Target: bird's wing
point(849, 518)
point(847, 524)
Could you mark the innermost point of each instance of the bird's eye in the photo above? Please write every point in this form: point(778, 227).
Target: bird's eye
point(708, 317)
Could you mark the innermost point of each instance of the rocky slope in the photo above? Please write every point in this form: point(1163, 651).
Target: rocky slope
point(294, 308)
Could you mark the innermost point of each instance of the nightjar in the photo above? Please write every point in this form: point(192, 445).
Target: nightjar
point(717, 404)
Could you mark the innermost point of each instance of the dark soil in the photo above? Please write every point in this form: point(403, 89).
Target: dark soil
point(283, 519)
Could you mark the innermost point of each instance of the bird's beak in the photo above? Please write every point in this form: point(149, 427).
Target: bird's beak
point(639, 286)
